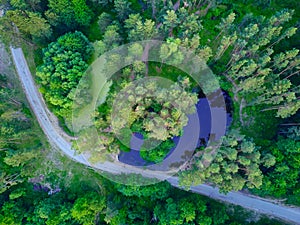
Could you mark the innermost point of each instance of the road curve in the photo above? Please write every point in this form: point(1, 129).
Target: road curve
point(55, 138)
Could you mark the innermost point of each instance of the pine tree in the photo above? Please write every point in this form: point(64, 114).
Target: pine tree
point(30, 23)
point(139, 30)
point(257, 75)
point(122, 8)
point(170, 21)
point(235, 165)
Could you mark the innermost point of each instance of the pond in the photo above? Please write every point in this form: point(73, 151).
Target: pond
point(195, 134)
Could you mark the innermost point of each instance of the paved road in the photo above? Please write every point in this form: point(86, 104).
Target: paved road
point(251, 202)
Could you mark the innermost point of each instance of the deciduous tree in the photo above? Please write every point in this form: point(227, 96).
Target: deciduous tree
point(64, 64)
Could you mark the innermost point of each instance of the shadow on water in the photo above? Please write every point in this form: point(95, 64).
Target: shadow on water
point(204, 114)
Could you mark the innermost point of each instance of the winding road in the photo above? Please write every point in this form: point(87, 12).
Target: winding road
point(57, 139)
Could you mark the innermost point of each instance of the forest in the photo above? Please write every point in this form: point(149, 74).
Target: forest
point(251, 48)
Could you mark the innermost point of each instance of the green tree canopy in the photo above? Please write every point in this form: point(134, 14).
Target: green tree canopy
point(64, 62)
point(72, 14)
point(30, 23)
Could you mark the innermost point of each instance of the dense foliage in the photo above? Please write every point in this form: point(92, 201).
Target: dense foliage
point(251, 46)
point(282, 179)
point(19, 139)
point(235, 165)
point(162, 112)
point(154, 111)
point(82, 197)
point(64, 63)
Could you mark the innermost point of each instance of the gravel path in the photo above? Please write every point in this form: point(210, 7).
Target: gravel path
point(55, 138)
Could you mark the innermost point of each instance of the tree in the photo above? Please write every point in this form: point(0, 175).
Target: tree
point(269, 160)
point(17, 139)
point(155, 5)
point(122, 8)
point(9, 180)
point(162, 118)
point(170, 21)
point(87, 208)
point(19, 4)
point(282, 179)
point(236, 164)
point(102, 2)
point(171, 53)
point(258, 76)
point(139, 68)
point(135, 51)
point(33, 5)
point(52, 211)
point(83, 14)
point(100, 48)
point(19, 158)
point(189, 24)
point(158, 153)
point(71, 14)
point(63, 66)
point(132, 20)
point(205, 53)
point(111, 37)
point(139, 30)
point(104, 20)
point(293, 133)
point(30, 23)
point(12, 213)
point(225, 43)
point(183, 211)
point(156, 191)
point(226, 24)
